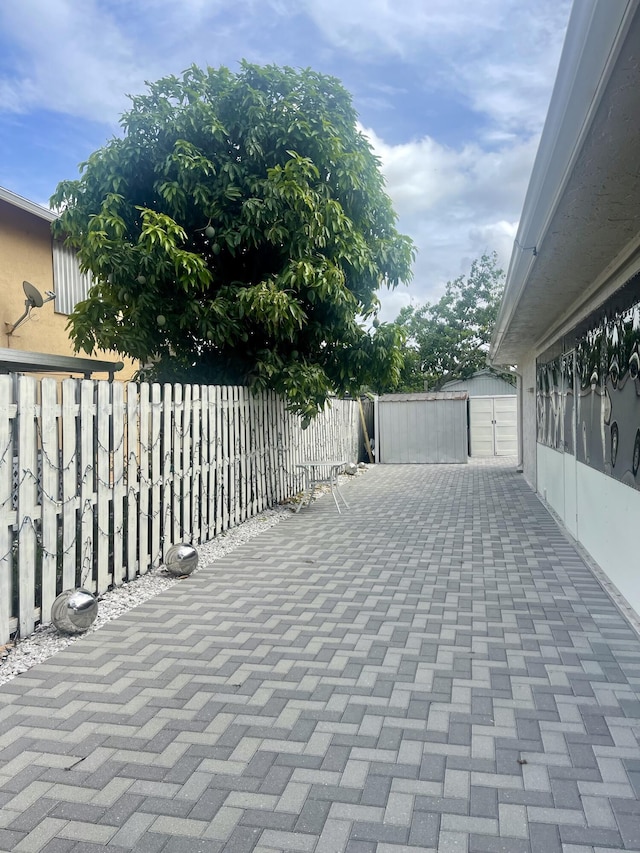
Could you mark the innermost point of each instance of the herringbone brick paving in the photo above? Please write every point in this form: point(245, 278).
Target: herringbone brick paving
point(436, 669)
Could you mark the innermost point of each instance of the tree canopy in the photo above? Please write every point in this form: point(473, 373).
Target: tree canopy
point(449, 339)
point(237, 233)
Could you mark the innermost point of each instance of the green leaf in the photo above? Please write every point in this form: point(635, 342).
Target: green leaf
point(248, 210)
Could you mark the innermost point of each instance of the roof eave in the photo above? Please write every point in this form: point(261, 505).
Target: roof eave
point(26, 205)
point(594, 35)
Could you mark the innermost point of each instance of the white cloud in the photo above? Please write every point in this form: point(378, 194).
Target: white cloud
point(72, 58)
point(83, 59)
point(501, 55)
point(455, 204)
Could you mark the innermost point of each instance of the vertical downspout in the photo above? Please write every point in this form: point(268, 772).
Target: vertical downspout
point(520, 467)
point(376, 428)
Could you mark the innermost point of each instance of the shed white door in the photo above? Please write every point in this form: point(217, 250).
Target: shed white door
point(493, 426)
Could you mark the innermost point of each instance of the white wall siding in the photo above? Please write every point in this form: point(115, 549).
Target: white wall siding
point(600, 512)
point(551, 480)
point(69, 284)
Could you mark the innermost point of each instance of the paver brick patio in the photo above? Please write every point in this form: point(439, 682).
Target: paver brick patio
point(435, 669)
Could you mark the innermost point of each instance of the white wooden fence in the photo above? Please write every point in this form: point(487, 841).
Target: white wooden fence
point(98, 479)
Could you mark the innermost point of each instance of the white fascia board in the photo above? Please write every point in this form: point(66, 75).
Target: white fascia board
point(595, 32)
point(29, 206)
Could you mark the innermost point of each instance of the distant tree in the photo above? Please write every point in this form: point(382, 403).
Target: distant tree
point(238, 233)
point(449, 339)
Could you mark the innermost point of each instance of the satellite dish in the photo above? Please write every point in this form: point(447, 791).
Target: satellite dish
point(34, 300)
point(34, 297)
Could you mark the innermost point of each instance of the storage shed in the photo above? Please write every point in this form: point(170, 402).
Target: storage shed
point(493, 413)
point(426, 427)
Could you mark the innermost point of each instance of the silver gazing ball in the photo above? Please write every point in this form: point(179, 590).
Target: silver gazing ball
point(351, 468)
point(74, 610)
point(181, 559)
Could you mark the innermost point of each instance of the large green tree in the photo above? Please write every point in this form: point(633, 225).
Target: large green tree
point(449, 339)
point(237, 233)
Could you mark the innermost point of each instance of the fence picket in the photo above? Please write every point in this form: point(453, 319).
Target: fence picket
point(70, 434)
point(195, 454)
point(204, 463)
point(219, 464)
point(234, 473)
point(49, 411)
point(261, 403)
point(7, 513)
point(132, 480)
point(245, 457)
point(87, 485)
point(187, 465)
point(103, 486)
point(156, 473)
point(226, 451)
point(118, 479)
point(177, 465)
point(167, 468)
point(144, 484)
point(28, 510)
point(270, 450)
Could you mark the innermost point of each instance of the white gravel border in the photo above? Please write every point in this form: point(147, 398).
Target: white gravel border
point(46, 640)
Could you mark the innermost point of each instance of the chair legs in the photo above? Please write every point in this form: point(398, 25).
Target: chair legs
point(332, 482)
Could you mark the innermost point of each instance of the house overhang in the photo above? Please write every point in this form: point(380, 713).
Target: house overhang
point(18, 361)
point(581, 219)
point(26, 205)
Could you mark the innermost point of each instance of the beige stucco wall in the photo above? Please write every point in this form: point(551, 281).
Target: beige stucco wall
point(26, 255)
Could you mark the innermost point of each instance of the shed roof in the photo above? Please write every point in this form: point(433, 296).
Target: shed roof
point(424, 395)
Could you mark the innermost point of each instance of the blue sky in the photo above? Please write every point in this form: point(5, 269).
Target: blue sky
point(452, 94)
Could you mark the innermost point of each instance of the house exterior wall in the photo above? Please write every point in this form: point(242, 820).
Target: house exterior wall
point(587, 441)
point(26, 254)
